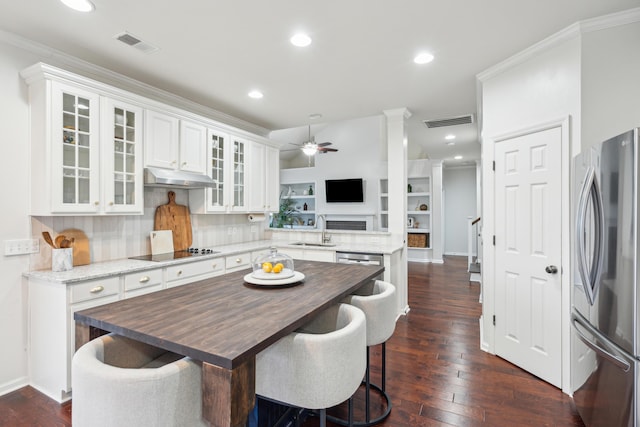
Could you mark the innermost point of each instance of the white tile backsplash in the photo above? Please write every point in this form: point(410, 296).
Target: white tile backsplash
point(122, 236)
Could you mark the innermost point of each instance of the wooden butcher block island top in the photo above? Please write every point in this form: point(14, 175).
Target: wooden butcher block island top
point(224, 322)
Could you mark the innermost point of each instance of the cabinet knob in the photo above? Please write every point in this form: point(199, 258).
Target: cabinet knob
point(144, 279)
point(97, 289)
point(184, 163)
point(96, 203)
point(173, 162)
point(179, 273)
point(214, 265)
point(110, 203)
point(238, 260)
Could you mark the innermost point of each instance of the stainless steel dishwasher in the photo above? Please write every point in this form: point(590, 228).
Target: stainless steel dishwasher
point(361, 258)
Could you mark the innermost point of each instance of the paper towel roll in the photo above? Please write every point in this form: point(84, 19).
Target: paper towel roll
point(256, 217)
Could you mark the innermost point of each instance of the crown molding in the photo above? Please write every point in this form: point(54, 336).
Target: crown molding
point(120, 81)
point(562, 36)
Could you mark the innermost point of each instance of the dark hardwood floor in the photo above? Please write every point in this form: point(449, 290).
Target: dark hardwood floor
point(436, 373)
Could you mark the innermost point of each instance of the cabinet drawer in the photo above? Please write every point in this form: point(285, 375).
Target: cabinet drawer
point(238, 261)
point(194, 269)
point(95, 289)
point(142, 279)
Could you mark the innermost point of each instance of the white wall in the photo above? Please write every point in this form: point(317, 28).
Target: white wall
point(610, 82)
point(110, 237)
point(358, 142)
point(538, 86)
point(459, 185)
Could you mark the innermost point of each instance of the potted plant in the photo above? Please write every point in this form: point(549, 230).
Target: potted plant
point(286, 213)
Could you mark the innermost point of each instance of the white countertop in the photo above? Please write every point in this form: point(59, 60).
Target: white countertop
point(104, 269)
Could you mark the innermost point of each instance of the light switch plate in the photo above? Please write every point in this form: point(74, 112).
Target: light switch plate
point(21, 247)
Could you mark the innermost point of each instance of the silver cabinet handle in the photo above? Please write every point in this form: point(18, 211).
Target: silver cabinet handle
point(144, 279)
point(97, 289)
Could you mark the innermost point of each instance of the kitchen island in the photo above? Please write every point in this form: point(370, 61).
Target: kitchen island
point(224, 322)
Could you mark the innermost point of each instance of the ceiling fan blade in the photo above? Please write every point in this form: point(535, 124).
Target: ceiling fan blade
point(326, 150)
point(324, 144)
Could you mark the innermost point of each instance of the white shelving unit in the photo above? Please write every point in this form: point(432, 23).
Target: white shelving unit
point(383, 204)
point(419, 218)
point(299, 192)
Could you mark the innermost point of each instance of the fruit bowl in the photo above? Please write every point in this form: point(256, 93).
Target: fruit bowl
point(273, 265)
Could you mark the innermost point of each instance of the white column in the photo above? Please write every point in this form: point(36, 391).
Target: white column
point(437, 224)
point(397, 181)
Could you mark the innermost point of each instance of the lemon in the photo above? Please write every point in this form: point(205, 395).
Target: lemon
point(267, 267)
point(278, 267)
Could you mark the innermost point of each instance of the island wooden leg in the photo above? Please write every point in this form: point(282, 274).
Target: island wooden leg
point(228, 395)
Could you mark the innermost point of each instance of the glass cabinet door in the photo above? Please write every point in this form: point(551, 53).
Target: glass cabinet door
point(218, 171)
point(239, 177)
point(122, 157)
point(75, 123)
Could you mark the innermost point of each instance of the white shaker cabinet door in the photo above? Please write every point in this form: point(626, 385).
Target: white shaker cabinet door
point(161, 140)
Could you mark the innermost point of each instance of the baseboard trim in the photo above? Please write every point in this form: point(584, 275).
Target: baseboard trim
point(14, 385)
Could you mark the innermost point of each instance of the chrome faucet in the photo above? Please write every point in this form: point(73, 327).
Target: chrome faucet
point(324, 237)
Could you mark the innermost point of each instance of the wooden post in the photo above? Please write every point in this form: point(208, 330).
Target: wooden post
point(228, 395)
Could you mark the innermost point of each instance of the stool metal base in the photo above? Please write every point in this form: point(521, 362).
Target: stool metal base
point(368, 386)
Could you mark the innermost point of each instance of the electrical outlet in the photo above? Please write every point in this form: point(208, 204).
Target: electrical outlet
point(21, 247)
point(254, 228)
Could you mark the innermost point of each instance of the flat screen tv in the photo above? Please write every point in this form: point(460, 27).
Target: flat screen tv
point(344, 190)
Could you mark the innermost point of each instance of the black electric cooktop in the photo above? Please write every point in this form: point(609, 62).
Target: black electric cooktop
point(188, 253)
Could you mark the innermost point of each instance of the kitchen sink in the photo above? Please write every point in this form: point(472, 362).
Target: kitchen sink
point(312, 244)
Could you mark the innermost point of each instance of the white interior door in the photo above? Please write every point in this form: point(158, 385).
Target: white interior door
point(528, 248)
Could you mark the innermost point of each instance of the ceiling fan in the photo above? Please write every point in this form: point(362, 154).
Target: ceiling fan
point(311, 147)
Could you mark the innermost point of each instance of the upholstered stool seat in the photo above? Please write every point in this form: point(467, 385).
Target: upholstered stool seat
point(318, 366)
point(378, 300)
point(120, 382)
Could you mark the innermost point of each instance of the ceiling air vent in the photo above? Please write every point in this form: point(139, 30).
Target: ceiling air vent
point(451, 121)
point(133, 41)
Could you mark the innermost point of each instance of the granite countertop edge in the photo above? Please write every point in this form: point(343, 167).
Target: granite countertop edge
point(107, 269)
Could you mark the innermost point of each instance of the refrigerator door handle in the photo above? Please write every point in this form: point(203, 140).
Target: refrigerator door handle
point(590, 279)
point(606, 353)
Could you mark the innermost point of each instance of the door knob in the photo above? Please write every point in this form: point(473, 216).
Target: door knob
point(551, 269)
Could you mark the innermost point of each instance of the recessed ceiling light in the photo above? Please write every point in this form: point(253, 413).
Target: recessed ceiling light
point(423, 58)
point(79, 5)
point(315, 116)
point(300, 40)
point(451, 143)
point(255, 94)
point(450, 137)
point(458, 157)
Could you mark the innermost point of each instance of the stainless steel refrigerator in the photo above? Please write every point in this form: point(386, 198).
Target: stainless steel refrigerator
point(605, 342)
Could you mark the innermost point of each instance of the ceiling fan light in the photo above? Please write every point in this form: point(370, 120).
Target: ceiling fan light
point(309, 149)
point(79, 5)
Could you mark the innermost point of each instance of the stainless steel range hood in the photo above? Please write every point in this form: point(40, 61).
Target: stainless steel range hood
point(156, 177)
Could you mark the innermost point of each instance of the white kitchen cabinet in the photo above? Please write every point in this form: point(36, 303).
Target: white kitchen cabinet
point(143, 282)
point(161, 147)
point(237, 262)
point(65, 150)
point(121, 157)
point(308, 254)
point(264, 172)
point(226, 157)
point(52, 329)
point(172, 143)
point(182, 274)
point(193, 146)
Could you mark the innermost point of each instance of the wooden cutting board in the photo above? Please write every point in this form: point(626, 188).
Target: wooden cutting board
point(176, 218)
point(81, 253)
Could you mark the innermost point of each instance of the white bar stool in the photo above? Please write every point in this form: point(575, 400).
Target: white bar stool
point(378, 301)
point(121, 382)
point(318, 366)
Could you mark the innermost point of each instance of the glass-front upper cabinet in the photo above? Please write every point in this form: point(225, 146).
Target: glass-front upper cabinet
point(239, 201)
point(122, 157)
point(75, 168)
point(217, 147)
